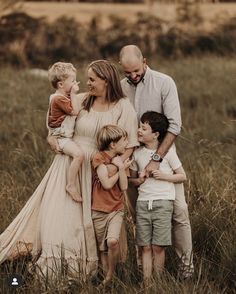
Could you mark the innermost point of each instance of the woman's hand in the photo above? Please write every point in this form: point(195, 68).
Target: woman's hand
point(52, 141)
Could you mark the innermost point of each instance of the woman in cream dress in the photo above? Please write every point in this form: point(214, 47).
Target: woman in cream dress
point(52, 226)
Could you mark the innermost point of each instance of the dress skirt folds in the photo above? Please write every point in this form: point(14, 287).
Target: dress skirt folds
point(51, 226)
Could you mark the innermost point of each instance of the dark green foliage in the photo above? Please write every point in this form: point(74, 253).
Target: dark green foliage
point(26, 41)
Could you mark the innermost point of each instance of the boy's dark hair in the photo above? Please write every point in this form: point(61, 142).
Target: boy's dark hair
point(157, 121)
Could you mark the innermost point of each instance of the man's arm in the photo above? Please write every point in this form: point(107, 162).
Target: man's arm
point(161, 150)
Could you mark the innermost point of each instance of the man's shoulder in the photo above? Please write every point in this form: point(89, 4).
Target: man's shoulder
point(159, 75)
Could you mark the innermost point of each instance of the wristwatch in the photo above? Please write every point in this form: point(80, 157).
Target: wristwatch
point(156, 157)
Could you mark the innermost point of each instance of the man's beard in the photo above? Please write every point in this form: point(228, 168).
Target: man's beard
point(134, 82)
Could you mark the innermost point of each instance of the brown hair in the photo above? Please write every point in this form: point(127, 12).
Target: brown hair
point(109, 134)
point(60, 71)
point(106, 71)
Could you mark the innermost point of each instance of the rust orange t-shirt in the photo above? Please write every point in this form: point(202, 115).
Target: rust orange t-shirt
point(60, 107)
point(104, 200)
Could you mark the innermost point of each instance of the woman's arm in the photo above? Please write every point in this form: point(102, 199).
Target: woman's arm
point(52, 141)
point(179, 175)
point(106, 181)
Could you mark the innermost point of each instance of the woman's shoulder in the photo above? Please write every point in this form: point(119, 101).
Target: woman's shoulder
point(124, 103)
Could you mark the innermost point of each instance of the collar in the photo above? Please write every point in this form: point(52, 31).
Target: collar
point(144, 79)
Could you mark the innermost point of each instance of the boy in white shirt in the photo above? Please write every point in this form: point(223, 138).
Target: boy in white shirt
point(156, 194)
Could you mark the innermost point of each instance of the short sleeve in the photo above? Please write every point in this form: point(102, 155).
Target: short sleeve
point(64, 104)
point(173, 159)
point(97, 160)
point(129, 122)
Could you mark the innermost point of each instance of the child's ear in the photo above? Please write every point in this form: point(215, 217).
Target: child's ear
point(157, 135)
point(111, 145)
point(59, 84)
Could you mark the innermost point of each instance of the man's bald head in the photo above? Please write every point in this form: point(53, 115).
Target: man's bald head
point(133, 63)
point(130, 54)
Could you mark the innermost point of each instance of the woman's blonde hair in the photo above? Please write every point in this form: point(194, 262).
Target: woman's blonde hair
point(109, 134)
point(106, 71)
point(60, 71)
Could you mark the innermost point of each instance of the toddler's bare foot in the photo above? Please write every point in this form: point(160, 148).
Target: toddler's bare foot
point(106, 283)
point(74, 193)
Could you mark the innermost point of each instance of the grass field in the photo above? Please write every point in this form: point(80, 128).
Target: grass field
point(206, 147)
point(83, 12)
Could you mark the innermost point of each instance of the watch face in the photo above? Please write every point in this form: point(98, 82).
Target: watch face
point(156, 157)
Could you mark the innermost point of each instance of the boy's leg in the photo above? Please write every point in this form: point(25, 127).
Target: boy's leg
point(113, 253)
point(158, 258)
point(162, 211)
point(113, 234)
point(104, 261)
point(74, 151)
point(144, 238)
point(147, 262)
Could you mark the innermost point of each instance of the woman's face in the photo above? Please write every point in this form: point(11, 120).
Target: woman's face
point(96, 86)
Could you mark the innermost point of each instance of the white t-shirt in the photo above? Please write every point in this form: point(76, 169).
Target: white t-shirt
point(153, 189)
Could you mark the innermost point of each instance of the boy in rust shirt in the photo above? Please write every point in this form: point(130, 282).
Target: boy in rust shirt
point(107, 195)
point(62, 113)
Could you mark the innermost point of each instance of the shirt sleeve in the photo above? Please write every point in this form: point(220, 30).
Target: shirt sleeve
point(97, 160)
point(64, 104)
point(173, 159)
point(129, 122)
point(171, 106)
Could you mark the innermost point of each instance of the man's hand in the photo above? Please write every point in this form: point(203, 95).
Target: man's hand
point(152, 165)
point(52, 141)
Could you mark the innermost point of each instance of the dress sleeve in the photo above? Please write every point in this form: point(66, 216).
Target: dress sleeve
point(129, 122)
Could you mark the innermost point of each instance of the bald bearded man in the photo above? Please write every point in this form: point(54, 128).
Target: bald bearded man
point(151, 90)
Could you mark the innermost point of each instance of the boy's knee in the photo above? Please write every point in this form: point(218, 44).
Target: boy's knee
point(146, 249)
point(112, 243)
point(157, 249)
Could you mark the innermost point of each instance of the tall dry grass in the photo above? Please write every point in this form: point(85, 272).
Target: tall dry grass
point(206, 147)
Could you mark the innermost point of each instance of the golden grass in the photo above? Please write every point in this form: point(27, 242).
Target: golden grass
point(206, 147)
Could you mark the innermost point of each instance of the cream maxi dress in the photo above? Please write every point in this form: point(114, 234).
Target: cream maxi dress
point(51, 225)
